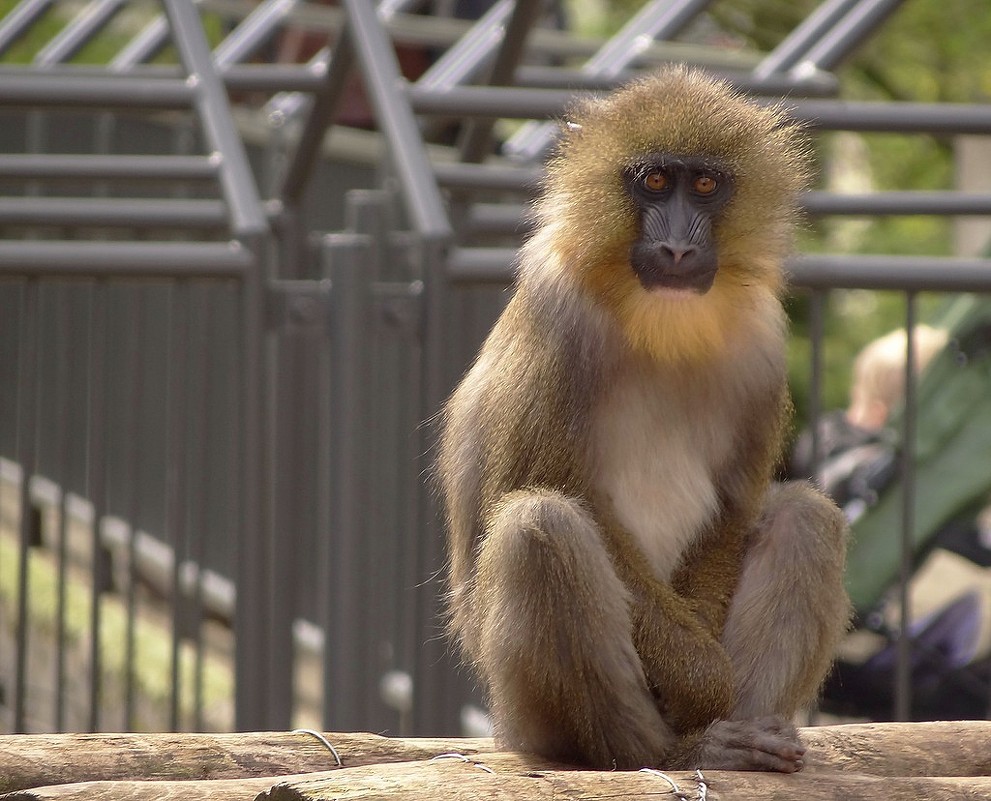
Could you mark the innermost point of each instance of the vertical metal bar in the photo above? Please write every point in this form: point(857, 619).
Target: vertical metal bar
point(324, 550)
point(252, 616)
point(410, 509)
point(135, 315)
point(793, 47)
point(205, 364)
point(27, 417)
point(23, 16)
point(62, 403)
point(381, 73)
point(346, 257)
point(903, 671)
point(175, 480)
point(816, 336)
point(282, 546)
point(96, 490)
point(433, 687)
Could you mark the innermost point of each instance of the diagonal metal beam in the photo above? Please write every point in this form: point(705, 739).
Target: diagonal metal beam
point(380, 69)
point(17, 22)
point(859, 24)
point(213, 108)
point(792, 49)
point(80, 30)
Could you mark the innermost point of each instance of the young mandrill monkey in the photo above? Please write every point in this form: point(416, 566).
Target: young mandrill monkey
point(623, 576)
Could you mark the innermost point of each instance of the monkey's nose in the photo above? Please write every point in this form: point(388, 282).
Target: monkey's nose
point(678, 251)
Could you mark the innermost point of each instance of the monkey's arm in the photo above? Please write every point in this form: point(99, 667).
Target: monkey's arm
point(687, 669)
point(709, 572)
point(685, 661)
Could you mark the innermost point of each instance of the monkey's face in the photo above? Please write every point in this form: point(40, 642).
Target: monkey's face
point(672, 204)
point(678, 201)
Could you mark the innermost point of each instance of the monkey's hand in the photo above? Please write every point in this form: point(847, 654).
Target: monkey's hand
point(687, 669)
point(769, 743)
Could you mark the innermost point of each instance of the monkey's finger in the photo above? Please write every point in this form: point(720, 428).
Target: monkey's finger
point(757, 759)
point(781, 747)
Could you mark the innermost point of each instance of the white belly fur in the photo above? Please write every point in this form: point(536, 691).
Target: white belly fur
point(656, 452)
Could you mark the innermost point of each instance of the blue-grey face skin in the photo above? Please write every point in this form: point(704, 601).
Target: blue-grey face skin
point(679, 198)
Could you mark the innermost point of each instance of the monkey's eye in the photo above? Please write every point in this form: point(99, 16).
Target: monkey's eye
point(655, 181)
point(704, 185)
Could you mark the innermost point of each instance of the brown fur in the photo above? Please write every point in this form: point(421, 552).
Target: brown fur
point(620, 576)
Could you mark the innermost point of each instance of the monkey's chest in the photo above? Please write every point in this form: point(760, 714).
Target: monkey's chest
point(656, 461)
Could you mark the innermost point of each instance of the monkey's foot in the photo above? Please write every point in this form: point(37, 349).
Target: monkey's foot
point(769, 743)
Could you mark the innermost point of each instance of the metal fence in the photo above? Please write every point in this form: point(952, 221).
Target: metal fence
point(214, 414)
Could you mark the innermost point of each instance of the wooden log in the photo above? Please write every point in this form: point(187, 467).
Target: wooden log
point(947, 748)
point(37, 760)
point(514, 777)
point(219, 790)
point(853, 759)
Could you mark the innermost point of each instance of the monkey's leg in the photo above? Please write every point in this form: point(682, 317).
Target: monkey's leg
point(555, 648)
point(790, 608)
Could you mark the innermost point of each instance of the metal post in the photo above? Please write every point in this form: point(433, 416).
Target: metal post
point(62, 448)
point(816, 336)
point(96, 490)
point(136, 324)
point(27, 421)
point(440, 688)
point(252, 618)
point(176, 478)
point(346, 259)
point(903, 670)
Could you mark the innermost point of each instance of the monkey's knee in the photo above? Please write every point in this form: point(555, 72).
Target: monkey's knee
point(543, 561)
point(541, 537)
point(800, 527)
point(791, 608)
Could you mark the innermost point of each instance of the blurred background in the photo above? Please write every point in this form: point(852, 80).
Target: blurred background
point(246, 248)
